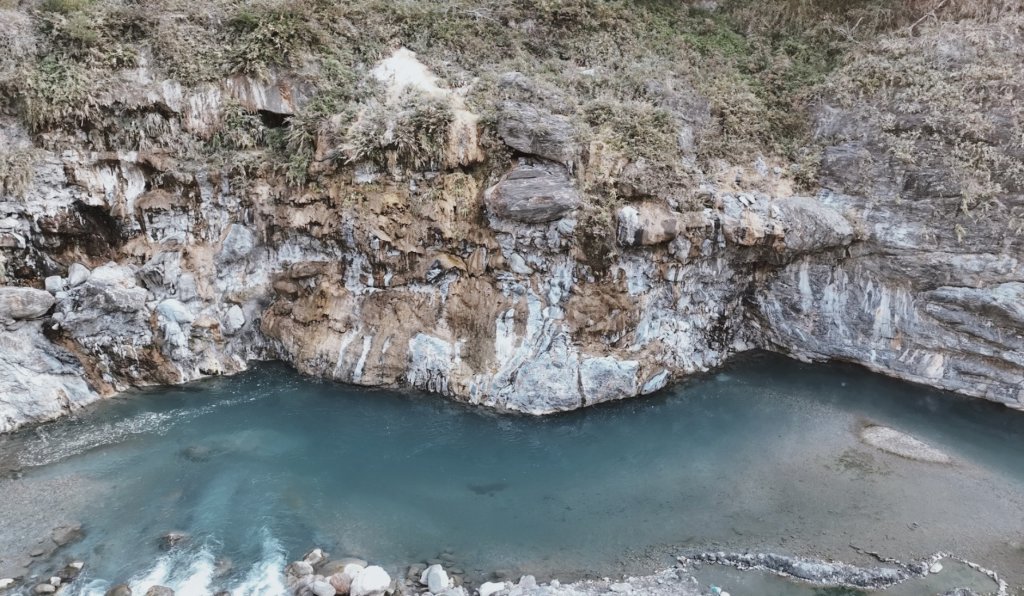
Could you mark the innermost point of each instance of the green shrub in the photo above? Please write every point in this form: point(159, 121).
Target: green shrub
point(65, 6)
point(265, 35)
point(57, 92)
point(240, 129)
point(637, 129)
point(414, 133)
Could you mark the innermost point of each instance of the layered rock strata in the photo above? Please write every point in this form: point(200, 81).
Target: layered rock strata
point(484, 280)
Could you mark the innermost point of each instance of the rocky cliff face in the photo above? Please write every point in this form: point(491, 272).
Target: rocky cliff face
point(485, 272)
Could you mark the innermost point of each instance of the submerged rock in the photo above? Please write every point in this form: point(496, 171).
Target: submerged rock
point(66, 534)
point(71, 571)
point(120, 590)
point(173, 539)
point(159, 591)
point(902, 444)
point(812, 570)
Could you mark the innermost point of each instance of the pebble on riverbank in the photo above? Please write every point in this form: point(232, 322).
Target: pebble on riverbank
point(897, 443)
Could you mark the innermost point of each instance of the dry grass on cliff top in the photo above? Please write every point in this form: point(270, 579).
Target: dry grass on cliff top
point(946, 104)
point(632, 72)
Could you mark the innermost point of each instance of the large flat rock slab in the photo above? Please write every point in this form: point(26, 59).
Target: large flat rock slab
point(533, 194)
point(898, 443)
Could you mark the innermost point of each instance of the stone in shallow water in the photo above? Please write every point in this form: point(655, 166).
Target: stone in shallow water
point(299, 569)
point(172, 539)
point(66, 534)
point(372, 581)
point(893, 441)
point(314, 557)
point(434, 578)
point(159, 591)
point(322, 588)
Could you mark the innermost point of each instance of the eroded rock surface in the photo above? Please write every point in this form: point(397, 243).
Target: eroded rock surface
point(510, 282)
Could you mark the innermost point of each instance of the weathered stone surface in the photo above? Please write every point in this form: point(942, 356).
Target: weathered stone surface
point(237, 245)
point(787, 226)
point(893, 441)
point(651, 224)
point(78, 274)
point(322, 588)
point(390, 276)
point(24, 303)
point(234, 320)
point(435, 579)
point(607, 378)
point(278, 92)
point(53, 284)
point(342, 580)
point(533, 194)
point(536, 131)
point(372, 581)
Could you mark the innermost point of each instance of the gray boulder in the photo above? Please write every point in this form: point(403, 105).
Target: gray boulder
point(53, 284)
point(18, 303)
point(322, 588)
point(237, 245)
point(536, 132)
point(372, 581)
point(174, 310)
point(299, 569)
point(78, 274)
point(159, 591)
point(234, 320)
point(533, 194)
point(434, 578)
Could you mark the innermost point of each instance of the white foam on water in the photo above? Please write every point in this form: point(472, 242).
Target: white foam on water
point(52, 444)
point(49, 446)
point(193, 573)
point(267, 575)
point(198, 578)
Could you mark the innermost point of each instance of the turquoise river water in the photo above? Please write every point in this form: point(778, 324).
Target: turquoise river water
point(763, 455)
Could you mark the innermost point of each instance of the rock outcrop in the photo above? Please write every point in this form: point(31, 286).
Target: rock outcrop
point(507, 276)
